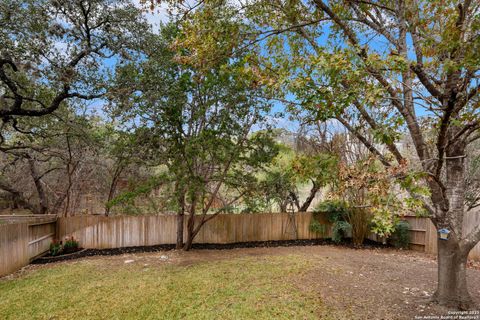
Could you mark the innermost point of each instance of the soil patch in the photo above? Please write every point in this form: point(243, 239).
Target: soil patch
point(368, 244)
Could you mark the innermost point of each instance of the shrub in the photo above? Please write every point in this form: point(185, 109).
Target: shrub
point(70, 245)
point(401, 236)
point(359, 220)
point(55, 247)
point(383, 222)
point(337, 213)
point(317, 227)
point(335, 210)
point(340, 230)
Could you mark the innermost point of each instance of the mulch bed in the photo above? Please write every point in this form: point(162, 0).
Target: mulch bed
point(368, 244)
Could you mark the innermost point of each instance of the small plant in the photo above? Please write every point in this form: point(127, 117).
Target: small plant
point(70, 245)
point(340, 231)
point(401, 236)
point(55, 247)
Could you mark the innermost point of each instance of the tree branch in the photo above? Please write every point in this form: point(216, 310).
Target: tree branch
point(365, 142)
point(17, 195)
point(412, 123)
point(471, 239)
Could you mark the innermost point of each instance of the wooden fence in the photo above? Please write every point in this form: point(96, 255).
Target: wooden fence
point(127, 231)
point(22, 238)
point(423, 235)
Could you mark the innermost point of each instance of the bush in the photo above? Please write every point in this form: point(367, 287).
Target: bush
point(401, 236)
point(337, 213)
point(70, 245)
point(340, 230)
point(317, 227)
point(55, 247)
point(359, 220)
point(335, 210)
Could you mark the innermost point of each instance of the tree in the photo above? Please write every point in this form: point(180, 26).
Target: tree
point(54, 51)
point(55, 56)
point(370, 197)
point(276, 186)
point(301, 163)
point(196, 123)
point(52, 150)
point(388, 67)
point(59, 163)
point(119, 154)
point(472, 177)
point(282, 179)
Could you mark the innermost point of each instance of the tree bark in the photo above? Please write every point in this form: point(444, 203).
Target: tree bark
point(18, 198)
point(113, 186)
point(190, 233)
point(189, 242)
point(452, 288)
point(43, 202)
point(283, 206)
point(191, 224)
point(180, 222)
point(180, 219)
point(311, 196)
point(193, 230)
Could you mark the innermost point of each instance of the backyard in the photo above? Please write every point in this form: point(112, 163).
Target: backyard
point(254, 159)
point(304, 282)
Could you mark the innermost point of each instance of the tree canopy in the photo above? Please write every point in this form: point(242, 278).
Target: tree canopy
point(392, 68)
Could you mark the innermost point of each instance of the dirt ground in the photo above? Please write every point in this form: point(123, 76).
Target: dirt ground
point(359, 284)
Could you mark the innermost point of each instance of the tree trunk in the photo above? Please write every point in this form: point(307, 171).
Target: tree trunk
point(191, 224)
point(190, 233)
point(180, 222)
point(18, 198)
point(58, 203)
point(452, 288)
point(311, 196)
point(113, 187)
point(180, 193)
point(188, 243)
point(43, 202)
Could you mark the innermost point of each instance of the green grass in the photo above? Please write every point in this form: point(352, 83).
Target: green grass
point(246, 288)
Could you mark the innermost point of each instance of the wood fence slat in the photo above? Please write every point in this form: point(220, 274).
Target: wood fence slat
point(127, 231)
point(22, 239)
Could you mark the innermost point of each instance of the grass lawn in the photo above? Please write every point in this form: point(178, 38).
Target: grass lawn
point(240, 288)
